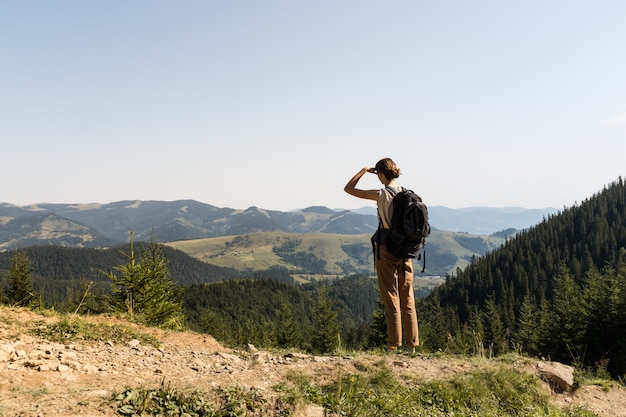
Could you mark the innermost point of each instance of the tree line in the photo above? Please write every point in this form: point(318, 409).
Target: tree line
point(555, 290)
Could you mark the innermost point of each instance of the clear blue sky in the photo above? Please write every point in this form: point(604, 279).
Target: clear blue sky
point(277, 104)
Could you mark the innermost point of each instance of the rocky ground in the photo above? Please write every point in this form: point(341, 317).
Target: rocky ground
point(40, 378)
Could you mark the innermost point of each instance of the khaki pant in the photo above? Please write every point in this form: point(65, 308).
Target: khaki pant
point(395, 280)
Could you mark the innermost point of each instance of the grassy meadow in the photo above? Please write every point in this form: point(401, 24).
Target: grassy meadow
point(340, 254)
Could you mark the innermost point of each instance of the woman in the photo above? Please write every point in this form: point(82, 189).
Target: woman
point(395, 275)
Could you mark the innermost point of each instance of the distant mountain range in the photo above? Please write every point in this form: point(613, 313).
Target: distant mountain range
point(107, 225)
point(479, 220)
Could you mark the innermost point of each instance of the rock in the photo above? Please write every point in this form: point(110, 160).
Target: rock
point(90, 369)
point(46, 348)
point(33, 364)
point(559, 376)
point(251, 348)
point(68, 354)
point(230, 358)
point(63, 368)
point(48, 366)
point(134, 343)
point(401, 364)
point(292, 355)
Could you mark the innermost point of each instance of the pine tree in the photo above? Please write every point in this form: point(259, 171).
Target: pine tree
point(20, 289)
point(561, 330)
point(494, 329)
point(289, 333)
point(435, 323)
point(603, 319)
point(527, 326)
point(476, 324)
point(325, 326)
point(377, 335)
point(144, 289)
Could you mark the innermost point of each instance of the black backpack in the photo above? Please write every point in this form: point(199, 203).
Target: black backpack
point(409, 226)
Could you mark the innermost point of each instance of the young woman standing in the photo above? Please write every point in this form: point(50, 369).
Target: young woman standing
point(395, 275)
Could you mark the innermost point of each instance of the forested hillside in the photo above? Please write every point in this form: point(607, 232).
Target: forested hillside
point(556, 290)
point(60, 272)
point(270, 313)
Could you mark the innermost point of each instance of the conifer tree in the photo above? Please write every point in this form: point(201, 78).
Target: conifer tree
point(477, 327)
point(143, 287)
point(325, 326)
point(527, 326)
point(494, 330)
point(377, 335)
point(20, 289)
point(617, 366)
point(561, 330)
point(603, 318)
point(435, 323)
point(289, 333)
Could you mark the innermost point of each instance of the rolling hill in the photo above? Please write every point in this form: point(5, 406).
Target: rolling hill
point(313, 240)
point(329, 254)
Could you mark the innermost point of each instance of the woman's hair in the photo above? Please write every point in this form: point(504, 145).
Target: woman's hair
point(388, 168)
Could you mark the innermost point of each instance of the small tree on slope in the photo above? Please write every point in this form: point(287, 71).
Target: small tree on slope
point(144, 289)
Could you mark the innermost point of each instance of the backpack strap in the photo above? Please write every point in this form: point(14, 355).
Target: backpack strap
point(392, 191)
point(376, 239)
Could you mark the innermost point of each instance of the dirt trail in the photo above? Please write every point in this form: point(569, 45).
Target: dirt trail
point(39, 378)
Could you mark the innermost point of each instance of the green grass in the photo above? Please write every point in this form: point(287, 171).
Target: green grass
point(489, 392)
point(497, 392)
point(230, 401)
point(255, 251)
point(73, 328)
point(161, 401)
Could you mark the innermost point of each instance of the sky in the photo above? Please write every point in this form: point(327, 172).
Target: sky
point(277, 104)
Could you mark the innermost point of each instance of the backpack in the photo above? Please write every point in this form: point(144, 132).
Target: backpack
point(409, 225)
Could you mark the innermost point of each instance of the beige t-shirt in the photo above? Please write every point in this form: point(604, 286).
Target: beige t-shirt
point(385, 208)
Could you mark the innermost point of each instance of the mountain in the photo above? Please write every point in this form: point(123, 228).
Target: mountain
point(487, 220)
point(106, 225)
point(338, 241)
point(555, 290)
point(45, 228)
point(479, 220)
point(175, 220)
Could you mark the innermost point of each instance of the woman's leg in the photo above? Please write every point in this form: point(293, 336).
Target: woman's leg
point(407, 302)
point(386, 269)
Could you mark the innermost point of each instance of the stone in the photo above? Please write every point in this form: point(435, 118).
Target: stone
point(90, 369)
point(134, 343)
point(560, 377)
point(63, 368)
point(400, 364)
